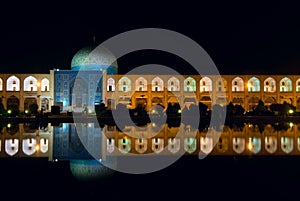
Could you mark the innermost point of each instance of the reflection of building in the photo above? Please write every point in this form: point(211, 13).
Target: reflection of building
point(26, 140)
point(93, 79)
point(245, 140)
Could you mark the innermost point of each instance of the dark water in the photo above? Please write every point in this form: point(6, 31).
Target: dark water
point(213, 178)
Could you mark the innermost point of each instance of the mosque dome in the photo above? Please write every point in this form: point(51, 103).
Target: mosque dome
point(90, 170)
point(94, 58)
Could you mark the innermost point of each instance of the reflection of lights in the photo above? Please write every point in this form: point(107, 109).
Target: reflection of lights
point(8, 125)
point(250, 146)
point(37, 147)
point(291, 111)
point(291, 124)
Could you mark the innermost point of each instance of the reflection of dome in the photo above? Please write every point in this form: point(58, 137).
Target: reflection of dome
point(86, 170)
point(90, 58)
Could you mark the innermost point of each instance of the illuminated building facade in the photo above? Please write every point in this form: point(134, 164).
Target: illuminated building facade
point(19, 91)
point(93, 78)
point(246, 90)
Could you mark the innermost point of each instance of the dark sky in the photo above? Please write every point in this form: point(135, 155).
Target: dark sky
point(240, 37)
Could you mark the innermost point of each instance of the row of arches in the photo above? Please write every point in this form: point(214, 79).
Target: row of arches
point(30, 84)
point(206, 84)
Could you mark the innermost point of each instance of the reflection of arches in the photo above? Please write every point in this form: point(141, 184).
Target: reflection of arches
point(253, 102)
point(30, 83)
point(45, 85)
point(189, 84)
point(111, 84)
point(28, 102)
point(141, 84)
point(253, 84)
point(205, 84)
point(269, 85)
point(124, 84)
point(157, 84)
point(173, 84)
point(237, 84)
point(13, 103)
point(13, 83)
point(45, 104)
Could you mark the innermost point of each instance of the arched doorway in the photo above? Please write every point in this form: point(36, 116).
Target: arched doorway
point(28, 102)
point(253, 102)
point(13, 103)
point(45, 104)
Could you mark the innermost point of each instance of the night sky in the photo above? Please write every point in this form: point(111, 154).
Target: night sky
point(241, 38)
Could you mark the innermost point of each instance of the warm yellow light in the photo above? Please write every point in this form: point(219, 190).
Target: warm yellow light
point(250, 146)
point(291, 111)
point(9, 111)
point(8, 125)
point(249, 85)
point(38, 84)
point(26, 111)
point(291, 124)
point(37, 147)
point(179, 111)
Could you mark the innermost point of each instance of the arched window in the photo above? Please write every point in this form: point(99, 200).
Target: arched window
point(13, 83)
point(111, 84)
point(157, 84)
point(221, 85)
point(141, 84)
point(189, 84)
point(45, 85)
point(237, 84)
point(30, 84)
point(124, 84)
point(269, 85)
point(253, 85)
point(173, 84)
point(205, 84)
point(285, 85)
point(1, 84)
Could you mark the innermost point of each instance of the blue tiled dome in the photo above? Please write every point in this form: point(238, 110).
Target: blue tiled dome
point(90, 169)
point(90, 58)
